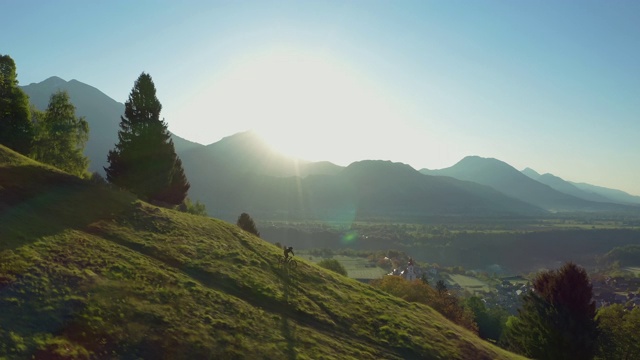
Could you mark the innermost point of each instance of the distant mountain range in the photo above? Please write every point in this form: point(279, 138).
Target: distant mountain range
point(582, 190)
point(546, 191)
point(241, 173)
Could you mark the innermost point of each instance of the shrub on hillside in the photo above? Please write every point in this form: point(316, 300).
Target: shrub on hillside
point(245, 222)
point(333, 265)
point(441, 301)
point(196, 209)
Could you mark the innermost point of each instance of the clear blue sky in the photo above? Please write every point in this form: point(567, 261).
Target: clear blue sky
point(551, 85)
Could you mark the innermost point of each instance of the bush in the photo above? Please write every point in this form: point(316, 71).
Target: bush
point(245, 222)
point(418, 291)
point(196, 209)
point(333, 265)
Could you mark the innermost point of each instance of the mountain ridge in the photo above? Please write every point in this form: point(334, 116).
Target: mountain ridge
point(508, 180)
point(583, 190)
point(240, 167)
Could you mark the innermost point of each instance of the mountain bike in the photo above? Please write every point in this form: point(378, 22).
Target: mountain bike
point(287, 262)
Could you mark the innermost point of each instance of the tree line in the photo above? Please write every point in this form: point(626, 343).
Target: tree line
point(559, 320)
point(56, 136)
point(143, 161)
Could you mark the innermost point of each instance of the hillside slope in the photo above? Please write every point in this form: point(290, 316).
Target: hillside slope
point(90, 272)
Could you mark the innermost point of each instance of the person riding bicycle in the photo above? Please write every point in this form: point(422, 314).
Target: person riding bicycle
point(288, 250)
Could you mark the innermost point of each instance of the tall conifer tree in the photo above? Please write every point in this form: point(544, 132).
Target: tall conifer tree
point(16, 130)
point(144, 160)
point(557, 319)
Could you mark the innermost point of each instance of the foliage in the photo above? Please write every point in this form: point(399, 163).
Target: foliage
point(557, 319)
point(144, 160)
point(333, 265)
point(16, 130)
point(424, 278)
point(418, 291)
point(245, 222)
point(196, 208)
point(490, 321)
point(61, 136)
point(620, 333)
point(97, 178)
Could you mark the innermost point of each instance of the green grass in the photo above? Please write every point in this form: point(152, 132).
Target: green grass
point(469, 283)
point(89, 272)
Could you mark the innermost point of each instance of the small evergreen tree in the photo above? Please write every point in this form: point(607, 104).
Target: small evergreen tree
point(61, 136)
point(557, 320)
point(16, 130)
point(245, 222)
point(144, 160)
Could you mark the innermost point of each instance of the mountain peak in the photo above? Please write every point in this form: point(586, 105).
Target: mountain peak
point(243, 140)
point(380, 165)
point(477, 163)
point(53, 81)
point(531, 173)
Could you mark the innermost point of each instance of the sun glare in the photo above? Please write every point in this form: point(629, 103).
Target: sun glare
point(306, 106)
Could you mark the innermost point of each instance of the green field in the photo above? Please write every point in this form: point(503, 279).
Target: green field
point(357, 267)
point(469, 283)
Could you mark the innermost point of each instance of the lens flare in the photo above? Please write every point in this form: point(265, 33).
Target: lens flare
point(350, 237)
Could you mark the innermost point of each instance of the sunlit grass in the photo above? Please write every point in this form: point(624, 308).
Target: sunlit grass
point(87, 271)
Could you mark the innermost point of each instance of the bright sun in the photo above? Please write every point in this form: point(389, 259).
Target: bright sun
point(304, 105)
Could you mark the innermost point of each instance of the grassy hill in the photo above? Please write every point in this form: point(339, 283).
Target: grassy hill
point(90, 272)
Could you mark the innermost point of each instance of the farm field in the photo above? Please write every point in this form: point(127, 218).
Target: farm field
point(357, 267)
point(468, 283)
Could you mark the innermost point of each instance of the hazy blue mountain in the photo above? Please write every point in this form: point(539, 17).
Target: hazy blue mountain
point(241, 174)
point(247, 152)
point(506, 179)
point(613, 194)
point(531, 173)
point(383, 186)
point(566, 187)
point(101, 112)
